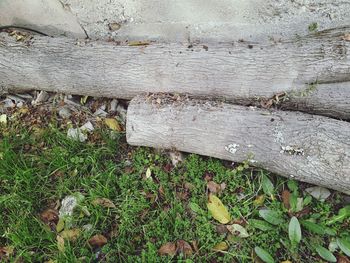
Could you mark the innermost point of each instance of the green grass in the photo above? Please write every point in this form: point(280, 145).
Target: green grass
point(38, 168)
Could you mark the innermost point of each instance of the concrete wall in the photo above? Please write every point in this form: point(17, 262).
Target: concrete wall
point(178, 20)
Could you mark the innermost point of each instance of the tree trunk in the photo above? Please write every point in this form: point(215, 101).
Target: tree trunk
point(311, 74)
point(309, 148)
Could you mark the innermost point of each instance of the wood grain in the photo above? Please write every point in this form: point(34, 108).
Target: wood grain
point(309, 148)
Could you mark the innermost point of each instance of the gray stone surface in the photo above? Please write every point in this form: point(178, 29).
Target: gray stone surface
point(206, 20)
point(47, 16)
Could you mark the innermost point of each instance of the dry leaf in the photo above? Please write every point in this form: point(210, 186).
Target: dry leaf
point(49, 216)
point(286, 261)
point(318, 192)
point(213, 187)
point(222, 246)
point(238, 230)
point(70, 234)
point(60, 243)
point(346, 37)
point(182, 247)
point(138, 43)
point(259, 200)
point(97, 241)
point(60, 225)
point(148, 174)
point(3, 119)
point(105, 202)
point(285, 199)
point(218, 210)
point(6, 252)
point(113, 124)
point(343, 259)
point(195, 245)
point(167, 249)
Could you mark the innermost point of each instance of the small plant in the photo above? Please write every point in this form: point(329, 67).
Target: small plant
point(313, 27)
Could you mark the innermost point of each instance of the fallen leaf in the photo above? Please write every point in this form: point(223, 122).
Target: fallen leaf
point(97, 241)
point(236, 228)
point(138, 43)
point(213, 187)
point(167, 249)
point(113, 124)
point(3, 119)
point(182, 247)
point(259, 200)
point(60, 243)
point(6, 252)
point(285, 198)
point(343, 259)
point(218, 210)
point(60, 225)
point(346, 37)
point(318, 192)
point(105, 202)
point(286, 261)
point(49, 216)
point(148, 174)
point(222, 246)
point(195, 245)
point(70, 234)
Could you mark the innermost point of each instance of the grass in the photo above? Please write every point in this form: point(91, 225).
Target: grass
point(39, 166)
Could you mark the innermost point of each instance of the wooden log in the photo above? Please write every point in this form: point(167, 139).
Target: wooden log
point(309, 148)
point(240, 72)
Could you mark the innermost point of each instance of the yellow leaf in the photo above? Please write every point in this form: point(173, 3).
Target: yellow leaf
point(3, 119)
point(222, 246)
point(60, 225)
point(286, 261)
point(83, 100)
point(60, 243)
point(103, 202)
point(259, 200)
point(149, 174)
point(70, 234)
point(218, 210)
point(113, 124)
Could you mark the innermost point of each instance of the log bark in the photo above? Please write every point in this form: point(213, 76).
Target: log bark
point(240, 72)
point(309, 148)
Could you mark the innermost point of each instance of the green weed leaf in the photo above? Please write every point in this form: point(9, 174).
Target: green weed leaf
point(260, 224)
point(325, 254)
point(294, 231)
point(344, 246)
point(267, 185)
point(342, 214)
point(271, 216)
point(312, 227)
point(264, 255)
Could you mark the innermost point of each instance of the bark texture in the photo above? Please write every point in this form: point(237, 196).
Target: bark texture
point(240, 72)
point(309, 148)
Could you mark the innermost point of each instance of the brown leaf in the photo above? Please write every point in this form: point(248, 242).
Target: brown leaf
point(346, 37)
point(6, 252)
point(49, 216)
point(343, 259)
point(195, 245)
point(221, 229)
point(184, 248)
point(97, 241)
point(167, 249)
point(303, 212)
point(105, 202)
point(286, 198)
point(213, 187)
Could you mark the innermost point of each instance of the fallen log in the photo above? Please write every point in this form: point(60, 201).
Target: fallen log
point(310, 74)
point(309, 148)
